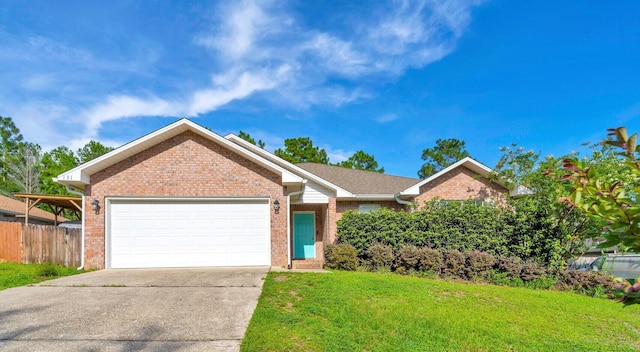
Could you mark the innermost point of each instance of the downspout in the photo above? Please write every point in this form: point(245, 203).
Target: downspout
point(403, 202)
point(72, 191)
point(304, 183)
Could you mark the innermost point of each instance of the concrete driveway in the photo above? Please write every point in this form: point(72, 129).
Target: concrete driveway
point(199, 309)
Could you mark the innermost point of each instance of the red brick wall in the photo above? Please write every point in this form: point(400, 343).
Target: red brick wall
point(185, 165)
point(461, 184)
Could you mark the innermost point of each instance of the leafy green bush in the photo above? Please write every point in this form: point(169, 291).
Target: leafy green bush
point(521, 229)
point(511, 266)
point(408, 259)
point(380, 256)
point(341, 257)
point(431, 260)
point(453, 264)
point(586, 282)
point(479, 264)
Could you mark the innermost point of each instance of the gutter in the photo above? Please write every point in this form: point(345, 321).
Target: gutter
point(403, 202)
point(304, 183)
point(72, 191)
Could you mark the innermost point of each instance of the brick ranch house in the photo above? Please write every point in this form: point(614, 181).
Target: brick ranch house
point(183, 196)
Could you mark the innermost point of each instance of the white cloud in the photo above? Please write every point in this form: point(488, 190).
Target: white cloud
point(386, 118)
point(254, 46)
point(337, 155)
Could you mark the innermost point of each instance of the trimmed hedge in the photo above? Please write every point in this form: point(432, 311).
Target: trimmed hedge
point(472, 266)
point(520, 231)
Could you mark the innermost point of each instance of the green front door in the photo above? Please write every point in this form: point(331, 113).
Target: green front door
point(304, 245)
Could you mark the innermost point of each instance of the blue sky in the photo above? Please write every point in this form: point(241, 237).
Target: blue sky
point(388, 78)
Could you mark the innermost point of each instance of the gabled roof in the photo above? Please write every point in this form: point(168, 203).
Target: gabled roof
point(340, 191)
point(15, 207)
point(467, 162)
point(360, 182)
point(79, 177)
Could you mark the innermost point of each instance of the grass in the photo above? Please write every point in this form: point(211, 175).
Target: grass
point(354, 311)
point(13, 274)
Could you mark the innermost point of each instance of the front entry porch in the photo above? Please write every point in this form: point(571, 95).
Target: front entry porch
point(308, 235)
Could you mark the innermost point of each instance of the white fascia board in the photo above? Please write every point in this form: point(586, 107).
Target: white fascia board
point(374, 197)
point(340, 192)
point(82, 173)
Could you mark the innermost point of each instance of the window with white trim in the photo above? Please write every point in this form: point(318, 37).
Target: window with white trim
point(368, 208)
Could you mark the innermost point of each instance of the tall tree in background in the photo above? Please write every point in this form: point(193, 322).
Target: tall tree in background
point(24, 168)
point(10, 138)
point(248, 138)
point(361, 161)
point(92, 150)
point(445, 153)
point(302, 150)
point(54, 163)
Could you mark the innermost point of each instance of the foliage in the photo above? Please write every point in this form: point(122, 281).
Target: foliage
point(453, 263)
point(361, 161)
point(586, 282)
point(54, 163)
point(13, 274)
point(523, 231)
point(431, 260)
point(341, 257)
point(355, 311)
point(408, 259)
point(92, 150)
point(562, 228)
point(11, 138)
point(302, 150)
point(610, 197)
point(479, 264)
point(248, 138)
point(379, 256)
point(445, 153)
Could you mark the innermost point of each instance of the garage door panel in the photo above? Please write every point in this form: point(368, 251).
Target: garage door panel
point(175, 233)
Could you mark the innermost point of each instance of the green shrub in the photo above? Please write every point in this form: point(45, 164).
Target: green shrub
point(408, 259)
point(504, 279)
point(532, 271)
point(586, 282)
point(431, 261)
point(49, 270)
point(521, 229)
point(511, 266)
point(341, 257)
point(479, 264)
point(379, 256)
point(453, 264)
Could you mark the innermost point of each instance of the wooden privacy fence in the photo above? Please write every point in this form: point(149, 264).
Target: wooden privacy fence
point(27, 244)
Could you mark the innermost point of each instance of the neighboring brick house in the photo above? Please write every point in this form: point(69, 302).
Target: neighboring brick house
point(185, 196)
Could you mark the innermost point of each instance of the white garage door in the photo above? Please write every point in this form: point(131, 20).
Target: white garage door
point(180, 233)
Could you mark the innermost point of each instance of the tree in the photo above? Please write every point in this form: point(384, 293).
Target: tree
point(92, 150)
point(249, 139)
point(10, 138)
point(445, 153)
point(302, 150)
point(612, 197)
point(24, 168)
point(361, 161)
point(54, 163)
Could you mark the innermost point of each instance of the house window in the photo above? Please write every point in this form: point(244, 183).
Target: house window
point(368, 208)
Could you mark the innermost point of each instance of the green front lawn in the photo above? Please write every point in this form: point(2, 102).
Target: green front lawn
point(13, 274)
point(352, 311)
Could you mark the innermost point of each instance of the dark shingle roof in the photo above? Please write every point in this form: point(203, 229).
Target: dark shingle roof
point(359, 181)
